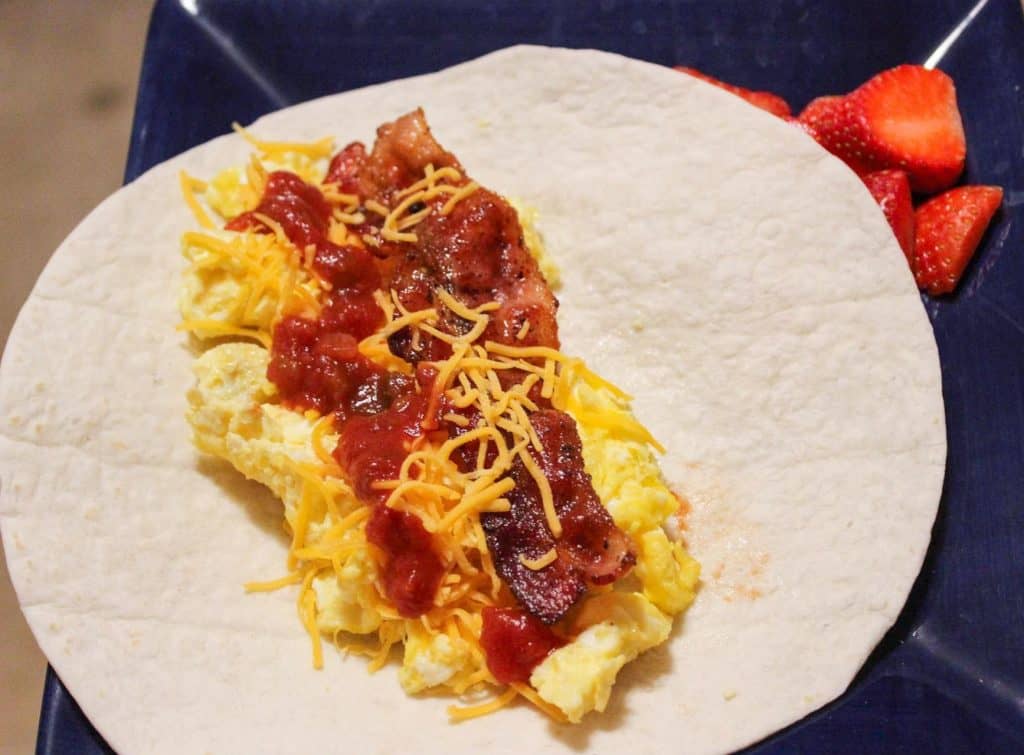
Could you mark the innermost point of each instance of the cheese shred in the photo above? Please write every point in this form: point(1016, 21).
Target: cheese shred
point(189, 187)
point(536, 564)
point(275, 584)
point(458, 713)
point(321, 148)
point(398, 220)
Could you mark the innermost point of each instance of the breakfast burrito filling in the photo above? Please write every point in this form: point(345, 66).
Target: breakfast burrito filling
point(378, 345)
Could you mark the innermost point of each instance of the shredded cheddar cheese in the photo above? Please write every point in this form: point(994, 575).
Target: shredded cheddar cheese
point(247, 282)
point(456, 713)
point(189, 187)
point(215, 329)
point(397, 223)
point(536, 564)
point(458, 196)
point(321, 148)
point(275, 584)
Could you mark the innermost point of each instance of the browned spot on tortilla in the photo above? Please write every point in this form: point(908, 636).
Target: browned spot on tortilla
point(719, 534)
point(681, 517)
point(743, 593)
point(759, 565)
point(685, 507)
point(743, 579)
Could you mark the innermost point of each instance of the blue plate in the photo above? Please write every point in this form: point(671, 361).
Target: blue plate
point(949, 677)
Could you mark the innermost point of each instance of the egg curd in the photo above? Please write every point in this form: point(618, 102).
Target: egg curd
point(235, 286)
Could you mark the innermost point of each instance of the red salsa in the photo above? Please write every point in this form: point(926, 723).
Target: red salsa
point(344, 168)
point(515, 642)
point(299, 208)
point(316, 364)
point(374, 441)
point(412, 569)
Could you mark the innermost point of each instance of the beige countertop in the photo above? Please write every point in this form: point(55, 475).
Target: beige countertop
point(68, 72)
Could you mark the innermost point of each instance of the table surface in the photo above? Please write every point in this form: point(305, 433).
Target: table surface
point(949, 676)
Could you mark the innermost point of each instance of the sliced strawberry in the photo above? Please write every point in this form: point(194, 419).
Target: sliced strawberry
point(949, 228)
point(764, 100)
point(891, 190)
point(905, 118)
point(837, 127)
point(768, 101)
point(912, 122)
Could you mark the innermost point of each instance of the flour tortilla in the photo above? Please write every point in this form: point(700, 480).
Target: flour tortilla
point(718, 264)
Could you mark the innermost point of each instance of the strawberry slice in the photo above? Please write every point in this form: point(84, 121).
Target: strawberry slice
point(837, 127)
point(905, 118)
point(912, 122)
point(949, 228)
point(891, 190)
point(764, 100)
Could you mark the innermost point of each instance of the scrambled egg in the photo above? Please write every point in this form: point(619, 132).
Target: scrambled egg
point(237, 280)
point(614, 628)
point(535, 244)
point(617, 626)
point(431, 659)
point(230, 193)
point(234, 415)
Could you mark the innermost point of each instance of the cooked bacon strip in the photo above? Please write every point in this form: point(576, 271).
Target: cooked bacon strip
point(403, 150)
point(476, 253)
point(591, 550)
